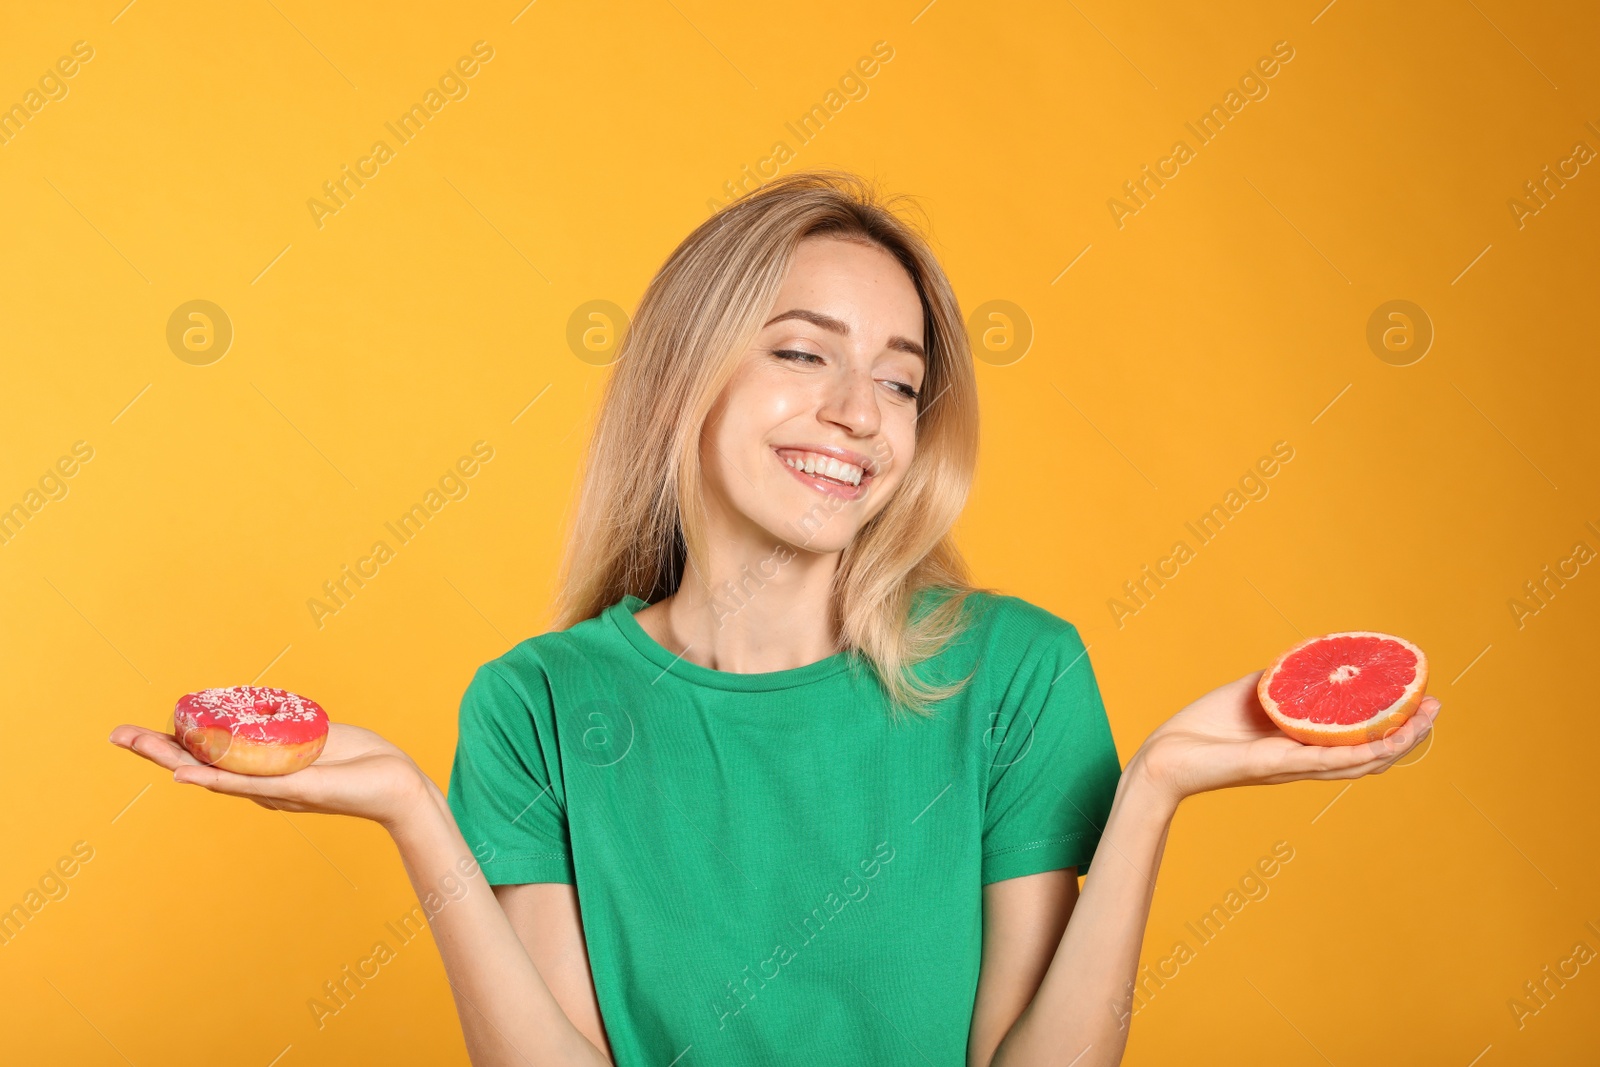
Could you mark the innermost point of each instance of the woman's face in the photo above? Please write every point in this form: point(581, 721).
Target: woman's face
point(817, 427)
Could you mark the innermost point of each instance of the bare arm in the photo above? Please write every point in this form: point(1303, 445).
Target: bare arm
point(1023, 920)
point(546, 918)
point(510, 1015)
point(1082, 1008)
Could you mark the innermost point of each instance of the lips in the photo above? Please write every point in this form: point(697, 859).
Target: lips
point(828, 469)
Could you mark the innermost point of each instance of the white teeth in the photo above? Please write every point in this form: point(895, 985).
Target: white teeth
point(827, 467)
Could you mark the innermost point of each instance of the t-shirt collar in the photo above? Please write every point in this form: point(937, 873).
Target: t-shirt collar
point(685, 671)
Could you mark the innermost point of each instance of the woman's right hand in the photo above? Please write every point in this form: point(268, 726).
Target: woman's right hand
point(358, 773)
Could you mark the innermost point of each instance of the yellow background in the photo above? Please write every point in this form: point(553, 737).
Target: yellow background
point(371, 352)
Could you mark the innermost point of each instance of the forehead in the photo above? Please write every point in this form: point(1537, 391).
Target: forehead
point(861, 284)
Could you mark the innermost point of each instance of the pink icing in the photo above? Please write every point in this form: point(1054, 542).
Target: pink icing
point(252, 713)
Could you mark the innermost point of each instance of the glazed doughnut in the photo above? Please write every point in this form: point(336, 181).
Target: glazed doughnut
point(251, 729)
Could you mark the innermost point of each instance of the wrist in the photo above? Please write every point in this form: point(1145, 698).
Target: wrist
point(1144, 778)
point(418, 804)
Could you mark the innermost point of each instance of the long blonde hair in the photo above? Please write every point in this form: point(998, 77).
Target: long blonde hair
point(632, 534)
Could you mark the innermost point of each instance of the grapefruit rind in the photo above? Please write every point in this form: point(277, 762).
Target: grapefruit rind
point(1383, 721)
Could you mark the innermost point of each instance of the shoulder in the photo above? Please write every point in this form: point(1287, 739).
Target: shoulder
point(530, 671)
point(1001, 641)
point(998, 621)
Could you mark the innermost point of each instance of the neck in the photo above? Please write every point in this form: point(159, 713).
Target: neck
point(758, 608)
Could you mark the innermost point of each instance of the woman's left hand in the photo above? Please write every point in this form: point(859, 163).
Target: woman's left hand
point(1226, 739)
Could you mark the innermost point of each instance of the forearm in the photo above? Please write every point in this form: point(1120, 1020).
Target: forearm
point(1082, 1006)
point(508, 1014)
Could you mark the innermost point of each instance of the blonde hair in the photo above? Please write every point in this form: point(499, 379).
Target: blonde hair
point(632, 534)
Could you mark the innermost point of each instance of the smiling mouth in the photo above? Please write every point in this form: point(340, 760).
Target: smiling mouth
point(826, 474)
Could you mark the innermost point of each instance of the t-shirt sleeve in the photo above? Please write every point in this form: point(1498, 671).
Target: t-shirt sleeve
point(1053, 768)
point(506, 789)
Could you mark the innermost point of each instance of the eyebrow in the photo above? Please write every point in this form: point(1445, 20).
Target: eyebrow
point(833, 325)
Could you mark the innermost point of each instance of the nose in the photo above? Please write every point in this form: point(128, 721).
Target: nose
point(850, 401)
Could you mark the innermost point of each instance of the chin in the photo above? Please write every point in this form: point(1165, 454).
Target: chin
point(823, 546)
point(806, 522)
point(814, 529)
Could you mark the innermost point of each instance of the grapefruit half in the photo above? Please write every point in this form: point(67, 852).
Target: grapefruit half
point(1345, 688)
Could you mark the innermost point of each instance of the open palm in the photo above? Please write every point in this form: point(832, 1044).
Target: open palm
point(358, 773)
point(1226, 739)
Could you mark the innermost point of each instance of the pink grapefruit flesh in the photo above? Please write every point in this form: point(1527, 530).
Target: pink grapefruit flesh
point(1345, 688)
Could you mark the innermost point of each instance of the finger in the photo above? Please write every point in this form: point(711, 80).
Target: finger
point(1340, 763)
point(1394, 758)
point(1387, 751)
point(1426, 713)
point(260, 788)
point(159, 748)
point(125, 734)
point(1322, 761)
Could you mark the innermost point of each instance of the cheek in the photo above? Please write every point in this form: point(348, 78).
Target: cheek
point(741, 413)
point(733, 447)
point(773, 393)
point(899, 444)
point(754, 406)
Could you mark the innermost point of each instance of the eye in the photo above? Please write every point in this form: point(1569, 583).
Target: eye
point(904, 389)
point(796, 356)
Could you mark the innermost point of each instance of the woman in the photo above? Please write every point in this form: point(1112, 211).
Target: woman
point(782, 786)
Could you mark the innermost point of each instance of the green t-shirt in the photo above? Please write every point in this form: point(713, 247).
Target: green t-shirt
point(770, 870)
